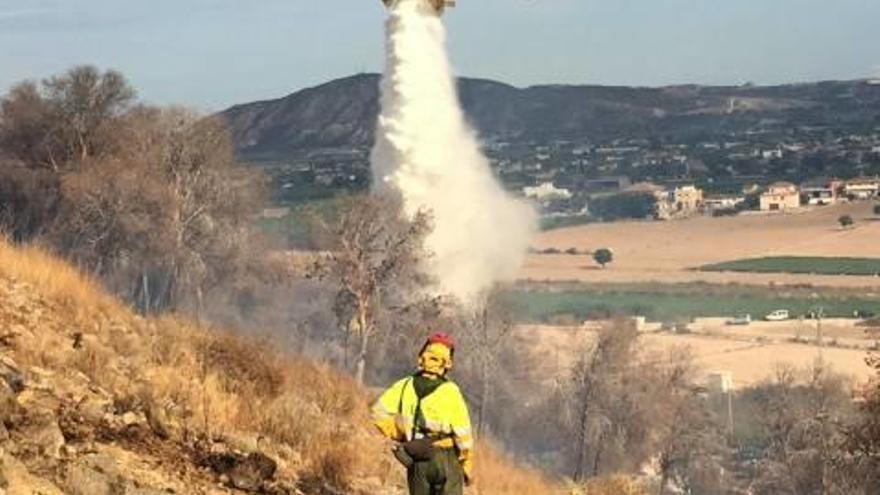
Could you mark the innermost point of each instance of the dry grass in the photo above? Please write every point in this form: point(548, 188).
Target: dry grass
point(55, 280)
point(666, 252)
point(612, 485)
point(208, 384)
point(495, 476)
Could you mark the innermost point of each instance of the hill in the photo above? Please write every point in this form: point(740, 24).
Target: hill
point(95, 400)
point(342, 113)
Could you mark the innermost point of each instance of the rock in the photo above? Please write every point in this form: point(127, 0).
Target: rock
point(131, 490)
point(130, 419)
point(93, 409)
point(252, 472)
point(158, 420)
point(248, 473)
point(82, 480)
point(10, 409)
point(22, 482)
point(42, 434)
point(103, 463)
point(41, 379)
point(14, 379)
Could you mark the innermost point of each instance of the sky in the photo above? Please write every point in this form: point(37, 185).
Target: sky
point(210, 54)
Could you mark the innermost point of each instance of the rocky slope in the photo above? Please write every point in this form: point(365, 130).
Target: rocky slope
point(342, 113)
point(95, 400)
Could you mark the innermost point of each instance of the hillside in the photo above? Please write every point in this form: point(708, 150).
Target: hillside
point(96, 400)
point(342, 113)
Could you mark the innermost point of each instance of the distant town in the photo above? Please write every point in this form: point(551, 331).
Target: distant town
point(762, 169)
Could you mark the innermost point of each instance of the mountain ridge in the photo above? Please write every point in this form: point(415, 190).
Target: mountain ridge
point(341, 113)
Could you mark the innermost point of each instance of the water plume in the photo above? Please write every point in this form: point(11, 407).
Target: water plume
point(427, 153)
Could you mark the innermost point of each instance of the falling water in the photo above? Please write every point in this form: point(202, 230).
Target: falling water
point(426, 152)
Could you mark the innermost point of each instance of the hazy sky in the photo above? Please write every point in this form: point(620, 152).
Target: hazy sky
point(213, 53)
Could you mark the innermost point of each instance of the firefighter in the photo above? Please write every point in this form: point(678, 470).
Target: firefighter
point(425, 413)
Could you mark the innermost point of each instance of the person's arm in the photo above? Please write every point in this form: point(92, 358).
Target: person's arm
point(463, 436)
point(384, 411)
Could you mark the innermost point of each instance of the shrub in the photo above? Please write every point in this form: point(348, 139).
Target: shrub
point(725, 212)
point(603, 256)
point(624, 205)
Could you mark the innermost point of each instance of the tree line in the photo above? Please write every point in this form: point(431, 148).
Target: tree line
point(148, 199)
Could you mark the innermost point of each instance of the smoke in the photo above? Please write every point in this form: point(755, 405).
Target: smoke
point(427, 153)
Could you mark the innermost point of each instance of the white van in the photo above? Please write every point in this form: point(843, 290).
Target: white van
point(778, 315)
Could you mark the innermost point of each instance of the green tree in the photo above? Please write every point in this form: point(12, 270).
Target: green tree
point(845, 221)
point(877, 209)
point(625, 205)
point(603, 256)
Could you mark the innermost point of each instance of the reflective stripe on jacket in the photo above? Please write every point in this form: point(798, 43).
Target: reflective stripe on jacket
point(444, 411)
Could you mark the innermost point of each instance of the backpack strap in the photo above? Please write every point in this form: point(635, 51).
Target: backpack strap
point(418, 417)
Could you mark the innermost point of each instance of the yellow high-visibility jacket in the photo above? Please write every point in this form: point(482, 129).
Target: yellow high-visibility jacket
point(445, 416)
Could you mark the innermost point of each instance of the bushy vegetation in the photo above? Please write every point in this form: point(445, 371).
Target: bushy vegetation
point(800, 264)
point(633, 205)
point(147, 199)
point(552, 223)
point(603, 256)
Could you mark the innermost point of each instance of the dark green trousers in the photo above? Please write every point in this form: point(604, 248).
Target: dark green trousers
point(442, 475)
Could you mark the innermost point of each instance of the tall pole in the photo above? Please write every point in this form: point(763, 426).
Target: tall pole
point(730, 430)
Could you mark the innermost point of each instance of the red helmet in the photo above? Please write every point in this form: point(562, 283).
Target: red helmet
point(441, 338)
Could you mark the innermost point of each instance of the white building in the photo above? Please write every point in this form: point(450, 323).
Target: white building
point(862, 188)
point(724, 202)
point(781, 196)
point(546, 191)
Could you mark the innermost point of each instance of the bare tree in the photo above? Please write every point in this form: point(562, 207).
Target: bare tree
point(600, 401)
point(374, 259)
point(66, 120)
point(690, 444)
point(484, 331)
point(802, 423)
point(862, 453)
point(169, 213)
point(28, 200)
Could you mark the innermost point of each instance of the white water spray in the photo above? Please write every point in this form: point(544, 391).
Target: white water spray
point(427, 153)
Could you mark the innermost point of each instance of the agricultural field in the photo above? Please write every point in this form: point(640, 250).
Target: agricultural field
point(801, 264)
point(672, 251)
point(656, 303)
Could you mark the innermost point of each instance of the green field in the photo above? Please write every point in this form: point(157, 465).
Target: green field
point(796, 264)
point(546, 305)
point(551, 223)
